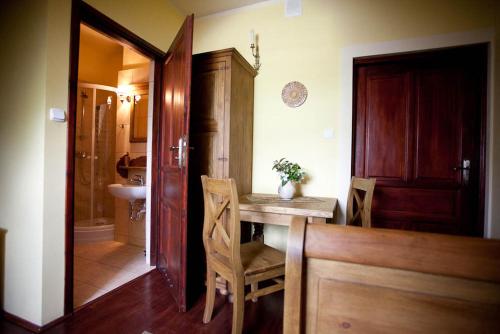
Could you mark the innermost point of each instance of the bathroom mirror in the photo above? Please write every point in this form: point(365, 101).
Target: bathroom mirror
point(139, 114)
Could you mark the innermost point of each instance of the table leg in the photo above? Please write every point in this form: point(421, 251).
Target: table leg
point(258, 232)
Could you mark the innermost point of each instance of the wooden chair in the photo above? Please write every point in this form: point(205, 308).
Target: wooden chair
point(360, 280)
point(239, 264)
point(363, 204)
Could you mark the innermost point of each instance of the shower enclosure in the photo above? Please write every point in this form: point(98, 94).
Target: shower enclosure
point(94, 163)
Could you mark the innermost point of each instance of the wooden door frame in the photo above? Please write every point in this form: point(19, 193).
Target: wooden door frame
point(384, 58)
point(84, 13)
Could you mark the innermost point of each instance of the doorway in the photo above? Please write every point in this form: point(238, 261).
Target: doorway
point(111, 225)
point(170, 96)
point(419, 127)
point(110, 239)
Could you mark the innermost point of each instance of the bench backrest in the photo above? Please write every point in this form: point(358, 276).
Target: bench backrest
point(359, 280)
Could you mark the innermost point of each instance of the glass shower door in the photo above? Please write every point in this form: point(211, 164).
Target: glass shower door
point(94, 156)
point(83, 154)
point(104, 152)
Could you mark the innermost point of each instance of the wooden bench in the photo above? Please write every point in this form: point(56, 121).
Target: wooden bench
point(357, 280)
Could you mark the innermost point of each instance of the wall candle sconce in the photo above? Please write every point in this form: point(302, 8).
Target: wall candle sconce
point(255, 50)
point(124, 93)
point(123, 96)
point(137, 98)
point(127, 96)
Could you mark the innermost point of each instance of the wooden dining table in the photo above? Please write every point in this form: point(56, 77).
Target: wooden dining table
point(260, 209)
point(270, 209)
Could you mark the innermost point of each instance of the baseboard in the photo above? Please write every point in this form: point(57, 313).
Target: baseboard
point(40, 329)
point(55, 322)
point(31, 326)
point(21, 322)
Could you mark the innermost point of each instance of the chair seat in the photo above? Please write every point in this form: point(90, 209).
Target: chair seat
point(257, 257)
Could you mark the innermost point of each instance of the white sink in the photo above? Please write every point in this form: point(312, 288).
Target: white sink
point(127, 191)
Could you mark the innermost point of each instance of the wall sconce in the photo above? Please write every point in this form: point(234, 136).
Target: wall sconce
point(123, 97)
point(255, 50)
point(124, 92)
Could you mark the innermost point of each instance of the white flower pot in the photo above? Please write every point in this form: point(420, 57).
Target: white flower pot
point(287, 191)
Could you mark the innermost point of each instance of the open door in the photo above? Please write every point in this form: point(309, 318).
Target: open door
point(173, 162)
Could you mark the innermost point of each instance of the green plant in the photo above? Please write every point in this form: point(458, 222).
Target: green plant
point(288, 171)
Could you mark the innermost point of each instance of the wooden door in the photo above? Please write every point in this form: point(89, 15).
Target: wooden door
point(173, 162)
point(419, 121)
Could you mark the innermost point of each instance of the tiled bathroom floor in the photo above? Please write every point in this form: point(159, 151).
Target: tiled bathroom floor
point(103, 266)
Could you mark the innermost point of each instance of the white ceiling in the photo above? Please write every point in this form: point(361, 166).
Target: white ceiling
point(207, 7)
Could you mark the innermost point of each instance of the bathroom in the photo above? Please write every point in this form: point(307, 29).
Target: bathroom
point(112, 183)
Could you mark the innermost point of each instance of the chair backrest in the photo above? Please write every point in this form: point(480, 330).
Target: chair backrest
point(221, 225)
point(384, 281)
point(359, 202)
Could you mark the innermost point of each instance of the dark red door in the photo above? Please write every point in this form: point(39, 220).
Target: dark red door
point(419, 129)
point(173, 162)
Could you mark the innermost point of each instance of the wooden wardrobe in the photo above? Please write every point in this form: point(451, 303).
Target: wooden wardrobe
point(221, 137)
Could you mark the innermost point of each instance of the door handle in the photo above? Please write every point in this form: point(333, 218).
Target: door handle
point(179, 149)
point(465, 168)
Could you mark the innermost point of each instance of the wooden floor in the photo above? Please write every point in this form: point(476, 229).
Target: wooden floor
point(145, 305)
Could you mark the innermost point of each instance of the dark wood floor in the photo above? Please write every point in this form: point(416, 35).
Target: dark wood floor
point(145, 305)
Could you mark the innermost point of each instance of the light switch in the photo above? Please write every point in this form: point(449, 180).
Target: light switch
point(57, 115)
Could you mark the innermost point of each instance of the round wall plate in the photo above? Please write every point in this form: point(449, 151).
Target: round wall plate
point(294, 94)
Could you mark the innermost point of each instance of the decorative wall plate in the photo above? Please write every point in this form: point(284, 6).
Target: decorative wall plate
point(294, 94)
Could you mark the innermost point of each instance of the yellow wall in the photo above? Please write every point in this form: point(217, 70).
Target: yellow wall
point(156, 21)
point(22, 132)
point(34, 71)
point(132, 59)
point(54, 161)
point(309, 49)
point(100, 59)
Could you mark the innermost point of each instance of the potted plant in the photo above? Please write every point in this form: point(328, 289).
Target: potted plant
point(290, 174)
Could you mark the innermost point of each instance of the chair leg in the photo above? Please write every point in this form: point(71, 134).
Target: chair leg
point(210, 298)
point(238, 306)
point(254, 287)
